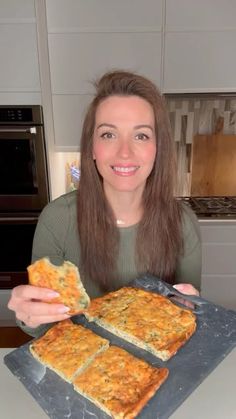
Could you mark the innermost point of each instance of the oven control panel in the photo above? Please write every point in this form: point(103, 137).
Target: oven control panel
point(8, 115)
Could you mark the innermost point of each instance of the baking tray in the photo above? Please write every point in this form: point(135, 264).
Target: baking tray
point(214, 338)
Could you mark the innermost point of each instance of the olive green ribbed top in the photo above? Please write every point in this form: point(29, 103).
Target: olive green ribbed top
point(56, 237)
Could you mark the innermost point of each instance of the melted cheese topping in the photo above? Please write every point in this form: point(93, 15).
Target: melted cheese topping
point(149, 320)
point(119, 383)
point(67, 347)
point(64, 279)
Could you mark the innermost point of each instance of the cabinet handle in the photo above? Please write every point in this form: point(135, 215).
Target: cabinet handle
point(31, 130)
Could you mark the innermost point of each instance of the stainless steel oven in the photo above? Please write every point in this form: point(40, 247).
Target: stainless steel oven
point(24, 188)
point(16, 234)
point(23, 163)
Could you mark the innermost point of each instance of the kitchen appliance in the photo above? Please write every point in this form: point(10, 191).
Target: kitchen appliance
point(24, 189)
point(220, 207)
point(23, 167)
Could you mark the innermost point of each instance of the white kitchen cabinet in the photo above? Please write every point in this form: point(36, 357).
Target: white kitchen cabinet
point(85, 39)
point(200, 39)
point(19, 70)
point(103, 15)
point(200, 62)
point(7, 317)
point(200, 15)
point(69, 112)
point(219, 262)
point(76, 60)
point(10, 10)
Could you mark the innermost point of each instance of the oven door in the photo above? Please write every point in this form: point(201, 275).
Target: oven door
point(16, 246)
point(23, 169)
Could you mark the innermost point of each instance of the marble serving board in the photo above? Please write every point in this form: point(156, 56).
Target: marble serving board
point(214, 339)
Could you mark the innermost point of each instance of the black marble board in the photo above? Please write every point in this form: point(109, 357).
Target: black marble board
point(214, 339)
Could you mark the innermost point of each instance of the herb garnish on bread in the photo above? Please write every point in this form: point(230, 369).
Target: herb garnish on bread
point(67, 348)
point(119, 383)
point(148, 320)
point(112, 378)
point(64, 279)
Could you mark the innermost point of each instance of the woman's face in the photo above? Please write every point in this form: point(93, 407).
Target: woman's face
point(124, 143)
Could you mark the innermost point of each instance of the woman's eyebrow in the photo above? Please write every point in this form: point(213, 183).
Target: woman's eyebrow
point(136, 126)
point(144, 126)
point(106, 125)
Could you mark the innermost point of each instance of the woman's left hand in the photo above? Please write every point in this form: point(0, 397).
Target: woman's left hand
point(187, 289)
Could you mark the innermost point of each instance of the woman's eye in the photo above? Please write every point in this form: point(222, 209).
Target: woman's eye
point(142, 136)
point(107, 135)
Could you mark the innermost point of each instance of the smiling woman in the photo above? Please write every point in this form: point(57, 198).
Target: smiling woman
point(123, 221)
point(124, 150)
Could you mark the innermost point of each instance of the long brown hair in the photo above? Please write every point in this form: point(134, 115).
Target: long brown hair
point(159, 237)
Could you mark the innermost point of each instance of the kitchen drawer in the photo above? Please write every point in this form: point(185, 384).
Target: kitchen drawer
point(219, 258)
point(220, 289)
point(7, 317)
point(218, 233)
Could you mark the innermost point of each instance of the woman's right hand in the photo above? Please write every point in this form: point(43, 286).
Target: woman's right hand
point(31, 306)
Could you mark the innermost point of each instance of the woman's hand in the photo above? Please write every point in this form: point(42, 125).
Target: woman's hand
point(31, 307)
point(187, 289)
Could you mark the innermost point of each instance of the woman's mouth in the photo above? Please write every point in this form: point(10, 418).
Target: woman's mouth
point(125, 170)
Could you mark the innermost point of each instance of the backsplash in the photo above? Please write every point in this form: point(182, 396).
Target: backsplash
point(195, 115)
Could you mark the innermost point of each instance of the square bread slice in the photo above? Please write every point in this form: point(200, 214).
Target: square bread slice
point(119, 383)
point(149, 321)
point(64, 279)
point(67, 348)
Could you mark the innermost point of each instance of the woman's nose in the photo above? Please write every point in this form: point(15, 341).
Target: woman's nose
point(125, 148)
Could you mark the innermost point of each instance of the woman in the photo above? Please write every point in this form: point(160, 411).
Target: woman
point(124, 220)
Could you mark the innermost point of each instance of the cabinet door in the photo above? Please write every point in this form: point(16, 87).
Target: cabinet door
point(200, 15)
point(89, 38)
point(19, 62)
point(107, 14)
point(200, 62)
point(219, 264)
point(7, 317)
point(19, 69)
point(200, 38)
point(79, 59)
point(76, 60)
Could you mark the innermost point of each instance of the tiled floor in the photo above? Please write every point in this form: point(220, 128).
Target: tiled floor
point(12, 337)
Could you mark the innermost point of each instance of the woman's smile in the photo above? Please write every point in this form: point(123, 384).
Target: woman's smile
point(124, 143)
point(121, 170)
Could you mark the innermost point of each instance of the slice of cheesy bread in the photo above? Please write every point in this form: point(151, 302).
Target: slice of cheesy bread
point(64, 279)
point(148, 320)
point(119, 383)
point(67, 348)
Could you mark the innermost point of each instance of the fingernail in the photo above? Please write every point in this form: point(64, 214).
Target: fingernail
point(53, 294)
point(63, 309)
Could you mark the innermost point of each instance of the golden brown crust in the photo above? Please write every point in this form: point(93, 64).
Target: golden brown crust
point(67, 348)
point(64, 279)
point(148, 320)
point(119, 383)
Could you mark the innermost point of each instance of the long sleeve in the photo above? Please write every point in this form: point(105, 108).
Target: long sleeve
point(190, 263)
point(56, 222)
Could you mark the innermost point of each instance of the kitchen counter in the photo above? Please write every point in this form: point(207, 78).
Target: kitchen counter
point(217, 221)
point(214, 398)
